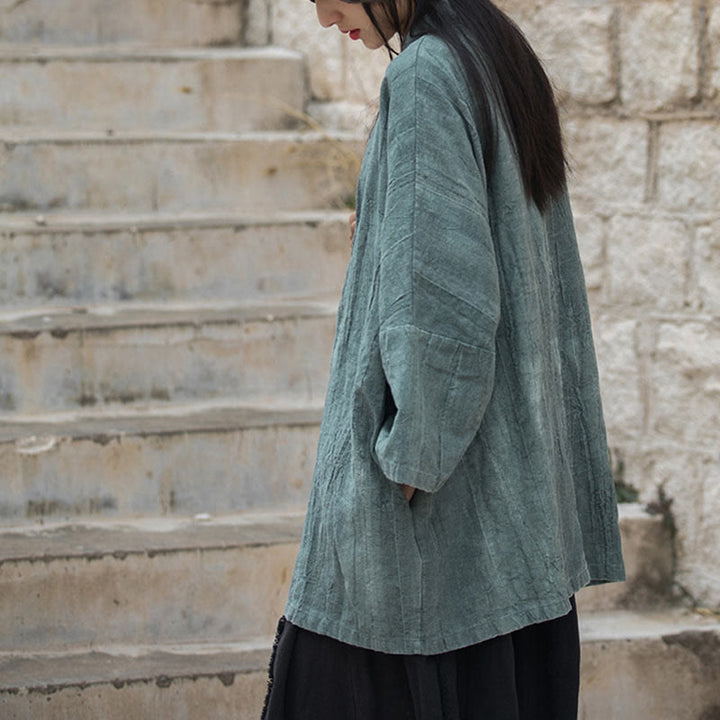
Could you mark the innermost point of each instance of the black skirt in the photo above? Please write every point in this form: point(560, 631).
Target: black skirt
point(530, 674)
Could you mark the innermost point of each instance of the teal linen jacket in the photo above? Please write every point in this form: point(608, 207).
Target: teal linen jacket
point(463, 365)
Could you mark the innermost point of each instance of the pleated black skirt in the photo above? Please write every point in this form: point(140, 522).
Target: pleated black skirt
point(530, 674)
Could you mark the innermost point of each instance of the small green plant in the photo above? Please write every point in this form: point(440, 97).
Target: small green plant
point(663, 506)
point(624, 492)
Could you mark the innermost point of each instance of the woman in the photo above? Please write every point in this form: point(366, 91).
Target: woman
point(462, 492)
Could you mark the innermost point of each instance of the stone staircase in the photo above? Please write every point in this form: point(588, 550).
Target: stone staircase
point(172, 245)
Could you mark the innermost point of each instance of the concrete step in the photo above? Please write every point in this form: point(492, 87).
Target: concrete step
point(146, 581)
point(634, 667)
point(648, 551)
point(92, 22)
point(192, 682)
point(92, 258)
point(177, 171)
point(159, 460)
point(119, 354)
point(119, 88)
point(650, 666)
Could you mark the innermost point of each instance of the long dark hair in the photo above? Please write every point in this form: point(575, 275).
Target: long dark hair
point(497, 60)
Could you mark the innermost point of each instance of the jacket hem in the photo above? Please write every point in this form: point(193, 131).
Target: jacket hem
point(515, 618)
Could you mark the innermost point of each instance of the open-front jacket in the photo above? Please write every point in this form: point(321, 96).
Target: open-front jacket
point(463, 365)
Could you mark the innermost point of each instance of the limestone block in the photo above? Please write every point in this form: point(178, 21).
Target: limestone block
point(257, 26)
point(704, 577)
point(163, 586)
point(516, 9)
point(608, 159)
point(164, 357)
point(121, 89)
point(647, 261)
point(707, 268)
point(685, 379)
point(574, 43)
point(172, 258)
point(647, 544)
point(714, 51)
point(590, 233)
point(690, 479)
point(234, 173)
point(636, 468)
point(188, 697)
point(342, 116)
point(294, 25)
point(634, 673)
point(95, 22)
point(619, 377)
point(154, 470)
point(364, 71)
point(659, 54)
point(689, 166)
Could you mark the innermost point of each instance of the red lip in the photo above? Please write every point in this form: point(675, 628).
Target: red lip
point(354, 34)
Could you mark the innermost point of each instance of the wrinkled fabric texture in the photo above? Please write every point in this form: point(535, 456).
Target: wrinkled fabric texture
point(531, 674)
point(463, 365)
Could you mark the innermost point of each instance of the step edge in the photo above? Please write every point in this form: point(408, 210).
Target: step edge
point(160, 665)
point(36, 52)
point(251, 657)
point(37, 432)
point(90, 222)
point(16, 136)
point(623, 625)
point(29, 322)
point(151, 537)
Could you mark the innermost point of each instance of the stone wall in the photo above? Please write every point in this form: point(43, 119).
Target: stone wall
point(639, 84)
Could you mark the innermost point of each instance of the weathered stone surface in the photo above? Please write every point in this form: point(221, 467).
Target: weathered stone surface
point(638, 472)
point(651, 668)
point(689, 166)
point(713, 49)
point(658, 658)
point(257, 28)
point(685, 378)
point(228, 696)
point(647, 544)
point(683, 481)
point(339, 68)
point(79, 259)
point(179, 460)
point(145, 582)
point(608, 159)
point(92, 22)
point(699, 568)
point(659, 54)
point(99, 568)
point(295, 25)
point(344, 116)
point(590, 231)
point(244, 172)
point(648, 261)
point(226, 682)
point(574, 42)
point(364, 71)
point(122, 89)
point(707, 268)
point(122, 355)
point(620, 376)
point(690, 480)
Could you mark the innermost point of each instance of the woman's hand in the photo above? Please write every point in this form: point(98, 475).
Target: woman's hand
point(409, 492)
point(353, 223)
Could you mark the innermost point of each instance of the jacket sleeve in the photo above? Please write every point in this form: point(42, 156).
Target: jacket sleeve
point(437, 280)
